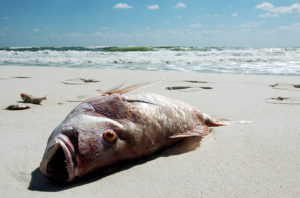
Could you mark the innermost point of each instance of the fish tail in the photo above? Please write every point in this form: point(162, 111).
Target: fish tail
point(208, 121)
point(216, 123)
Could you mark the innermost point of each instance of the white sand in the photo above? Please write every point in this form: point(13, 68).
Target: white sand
point(253, 160)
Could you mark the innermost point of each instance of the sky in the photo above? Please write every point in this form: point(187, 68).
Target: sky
point(201, 23)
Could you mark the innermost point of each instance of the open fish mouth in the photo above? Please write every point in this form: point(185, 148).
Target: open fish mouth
point(62, 164)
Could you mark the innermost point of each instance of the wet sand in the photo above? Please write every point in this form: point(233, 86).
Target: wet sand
point(260, 159)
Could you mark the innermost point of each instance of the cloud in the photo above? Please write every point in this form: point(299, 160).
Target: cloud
point(196, 25)
point(234, 14)
point(180, 5)
point(6, 17)
point(153, 7)
point(268, 7)
point(272, 15)
point(265, 6)
point(293, 27)
point(252, 24)
point(122, 6)
point(36, 30)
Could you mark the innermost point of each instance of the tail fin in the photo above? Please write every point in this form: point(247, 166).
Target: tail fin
point(208, 121)
point(216, 123)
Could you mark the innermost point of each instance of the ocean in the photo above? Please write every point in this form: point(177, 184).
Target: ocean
point(269, 61)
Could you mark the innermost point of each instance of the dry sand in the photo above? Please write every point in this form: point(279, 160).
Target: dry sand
point(260, 159)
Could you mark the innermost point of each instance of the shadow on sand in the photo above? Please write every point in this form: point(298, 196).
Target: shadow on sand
point(39, 182)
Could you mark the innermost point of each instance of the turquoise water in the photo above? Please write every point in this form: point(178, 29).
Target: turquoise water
point(274, 61)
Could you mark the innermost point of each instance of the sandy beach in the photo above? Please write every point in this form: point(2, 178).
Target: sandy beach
point(260, 159)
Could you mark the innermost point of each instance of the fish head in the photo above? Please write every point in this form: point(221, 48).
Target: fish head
point(85, 141)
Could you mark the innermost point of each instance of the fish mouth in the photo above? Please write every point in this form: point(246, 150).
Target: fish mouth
point(62, 164)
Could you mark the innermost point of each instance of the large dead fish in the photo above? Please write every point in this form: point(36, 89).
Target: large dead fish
point(114, 127)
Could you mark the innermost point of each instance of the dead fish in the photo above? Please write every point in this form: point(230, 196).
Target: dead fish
point(30, 99)
point(17, 107)
point(114, 127)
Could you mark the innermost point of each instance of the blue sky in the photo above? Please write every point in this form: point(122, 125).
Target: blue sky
point(255, 23)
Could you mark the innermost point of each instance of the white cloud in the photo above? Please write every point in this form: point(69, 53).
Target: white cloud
point(122, 6)
point(281, 9)
point(265, 6)
point(6, 17)
point(196, 25)
point(180, 5)
point(272, 15)
point(293, 27)
point(36, 30)
point(252, 24)
point(234, 14)
point(153, 7)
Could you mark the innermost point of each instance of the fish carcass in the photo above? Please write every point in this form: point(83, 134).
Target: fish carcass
point(118, 126)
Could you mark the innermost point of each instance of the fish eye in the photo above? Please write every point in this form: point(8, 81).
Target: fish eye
point(110, 136)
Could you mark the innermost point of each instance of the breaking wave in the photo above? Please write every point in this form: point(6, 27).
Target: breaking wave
point(275, 61)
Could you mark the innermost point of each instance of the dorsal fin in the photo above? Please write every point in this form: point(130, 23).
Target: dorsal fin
point(119, 90)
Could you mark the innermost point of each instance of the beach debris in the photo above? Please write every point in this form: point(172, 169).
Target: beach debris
point(283, 100)
point(17, 107)
point(195, 81)
point(206, 87)
point(120, 126)
point(273, 85)
point(186, 87)
point(285, 86)
point(22, 77)
point(79, 81)
point(76, 81)
point(30, 99)
point(280, 98)
point(89, 80)
point(177, 87)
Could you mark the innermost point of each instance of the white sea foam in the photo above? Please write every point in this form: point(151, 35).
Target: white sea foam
point(278, 61)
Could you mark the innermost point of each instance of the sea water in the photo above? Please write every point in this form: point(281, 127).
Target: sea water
point(274, 61)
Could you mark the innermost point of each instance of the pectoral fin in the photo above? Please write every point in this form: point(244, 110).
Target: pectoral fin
point(198, 131)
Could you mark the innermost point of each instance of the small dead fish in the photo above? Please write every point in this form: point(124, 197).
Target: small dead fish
point(114, 127)
point(30, 99)
point(17, 107)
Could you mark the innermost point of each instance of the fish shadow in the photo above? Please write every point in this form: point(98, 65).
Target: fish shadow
point(40, 182)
